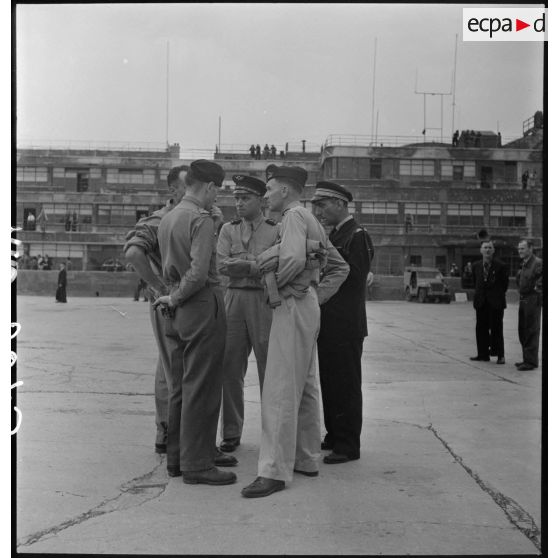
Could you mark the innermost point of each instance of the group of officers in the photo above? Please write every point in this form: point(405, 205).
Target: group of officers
point(290, 289)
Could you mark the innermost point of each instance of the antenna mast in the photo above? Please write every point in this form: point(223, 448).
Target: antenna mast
point(453, 87)
point(167, 110)
point(374, 86)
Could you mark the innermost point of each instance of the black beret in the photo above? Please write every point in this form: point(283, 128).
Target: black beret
point(248, 184)
point(297, 174)
point(325, 190)
point(207, 171)
point(269, 170)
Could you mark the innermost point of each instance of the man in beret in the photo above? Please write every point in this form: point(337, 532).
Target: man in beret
point(290, 440)
point(343, 326)
point(195, 329)
point(248, 315)
point(142, 251)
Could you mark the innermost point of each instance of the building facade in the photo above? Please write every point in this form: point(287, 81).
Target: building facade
point(422, 203)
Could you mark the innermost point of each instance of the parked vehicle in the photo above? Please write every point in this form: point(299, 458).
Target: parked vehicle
point(425, 283)
point(112, 264)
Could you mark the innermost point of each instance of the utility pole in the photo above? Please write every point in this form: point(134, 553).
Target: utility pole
point(167, 110)
point(453, 87)
point(374, 86)
point(424, 94)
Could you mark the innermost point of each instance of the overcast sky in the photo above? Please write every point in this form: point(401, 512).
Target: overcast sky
point(273, 72)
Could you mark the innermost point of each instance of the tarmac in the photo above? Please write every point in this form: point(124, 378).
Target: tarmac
point(450, 460)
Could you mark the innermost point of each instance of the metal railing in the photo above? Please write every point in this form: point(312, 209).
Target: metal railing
point(108, 145)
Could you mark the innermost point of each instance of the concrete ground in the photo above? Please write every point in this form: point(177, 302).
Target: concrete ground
point(450, 461)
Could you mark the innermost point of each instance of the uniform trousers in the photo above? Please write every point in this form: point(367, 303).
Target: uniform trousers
point(163, 363)
point(529, 327)
point(290, 397)
point(490, 331)
point(248, 325)
point(196, 337)
point(341, 381)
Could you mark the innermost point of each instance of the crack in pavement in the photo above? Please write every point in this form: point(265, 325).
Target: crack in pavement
point(135, 492)
point(84, 392)
point(513, 511)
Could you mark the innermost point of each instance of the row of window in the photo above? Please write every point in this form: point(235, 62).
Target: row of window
point(114, 176)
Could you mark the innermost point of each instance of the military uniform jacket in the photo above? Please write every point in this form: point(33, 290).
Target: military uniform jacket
point(344, 314)
point(493, 289)
point(244, 240)
point(530, 276)
point(186, 238)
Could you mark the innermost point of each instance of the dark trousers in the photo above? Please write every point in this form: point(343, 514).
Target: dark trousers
point(61, 294)
point(529, 328)
point(340, 381)
point(490, 331)
point(196, 337)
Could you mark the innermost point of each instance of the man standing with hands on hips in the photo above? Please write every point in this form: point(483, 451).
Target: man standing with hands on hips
point(195, 329)
point(290, 439)
point(529, 282)
point(248, 314)
point(343, 327)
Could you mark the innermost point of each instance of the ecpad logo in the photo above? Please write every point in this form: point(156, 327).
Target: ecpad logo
point(504, 24)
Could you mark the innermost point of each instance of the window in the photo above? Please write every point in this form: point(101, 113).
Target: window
point(344, 167)
point(457, 170)
point(375, 168)
point(424, 213)
point(415, 259)
point(510, 171)
point(32, 174)
point(379, 213)
point(508, 215)
point(130, 176)
point(416, 167)
point(440, 263)
point(58, 250)
point(466, 214)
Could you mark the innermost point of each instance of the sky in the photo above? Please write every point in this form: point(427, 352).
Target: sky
point(274, 73)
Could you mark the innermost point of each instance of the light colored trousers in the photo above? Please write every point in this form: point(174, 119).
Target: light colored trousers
point(290, 398)
point(248, 324)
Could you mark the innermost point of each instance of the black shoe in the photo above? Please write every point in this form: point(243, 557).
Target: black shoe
point(210, 476)
point(334, 458)
point(222, 460)
point(307, 473)
point(501, 360)
point(172, 472)
point(478, 358)
point(525, 366)
point(327, 445)
point(519, 363)
point(262, 487)
point(160, 448)
point(229, 444)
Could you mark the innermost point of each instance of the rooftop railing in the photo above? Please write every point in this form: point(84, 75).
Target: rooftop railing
point(91, 145)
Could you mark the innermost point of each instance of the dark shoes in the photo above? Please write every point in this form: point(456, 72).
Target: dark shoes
point(307, 473)
point(524, 366)
point(229, 444)
point(160, 448)
point(501, 360)
point(478, 358)
point(262, 487)
point(222, 460)
point(334, 458)
point(210, 476)
point(519, 364)
point(174, 472)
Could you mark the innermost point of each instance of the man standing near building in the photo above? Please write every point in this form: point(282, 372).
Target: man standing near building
point(142, 251)
point(529, 281)
point(195, 330)
point(61, 290)
point(248, 314)
point(343, 326)
point(490, 277)
point(290, 437)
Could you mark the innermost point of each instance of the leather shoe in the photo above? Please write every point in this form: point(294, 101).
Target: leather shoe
point(501, 360)
point(210, 476)
point(160, 448)
point(307, 473)
point(525, 366)
point(229, 444)
point(334, 458)
point(519, 363)
point(478, 358)
point(261, 487)
point(222, 460)
point(174, 472)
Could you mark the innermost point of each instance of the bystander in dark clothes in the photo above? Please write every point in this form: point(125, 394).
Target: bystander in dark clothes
point(252, 151)
point(273, 151)
point(61, 290)
point(141, 287)
point(266, 151)
point(524, 179)
point(258, 151)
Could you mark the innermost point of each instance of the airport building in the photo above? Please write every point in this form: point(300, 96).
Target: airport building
point(423, 203)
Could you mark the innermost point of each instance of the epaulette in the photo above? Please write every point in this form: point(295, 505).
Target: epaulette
point(270, 222)
point(235, 221)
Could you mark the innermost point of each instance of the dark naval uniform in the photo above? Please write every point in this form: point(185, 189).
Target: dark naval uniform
point(248, 314)
point(144, 236)
point(491, 284)
point(196, 335)
point(343, 328)
point(529, 281)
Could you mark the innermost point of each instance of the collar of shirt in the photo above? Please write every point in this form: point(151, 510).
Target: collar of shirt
point(527, 260)
point(255, 223)
point(191, 199)
point(290, 206)
point(341, 223)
